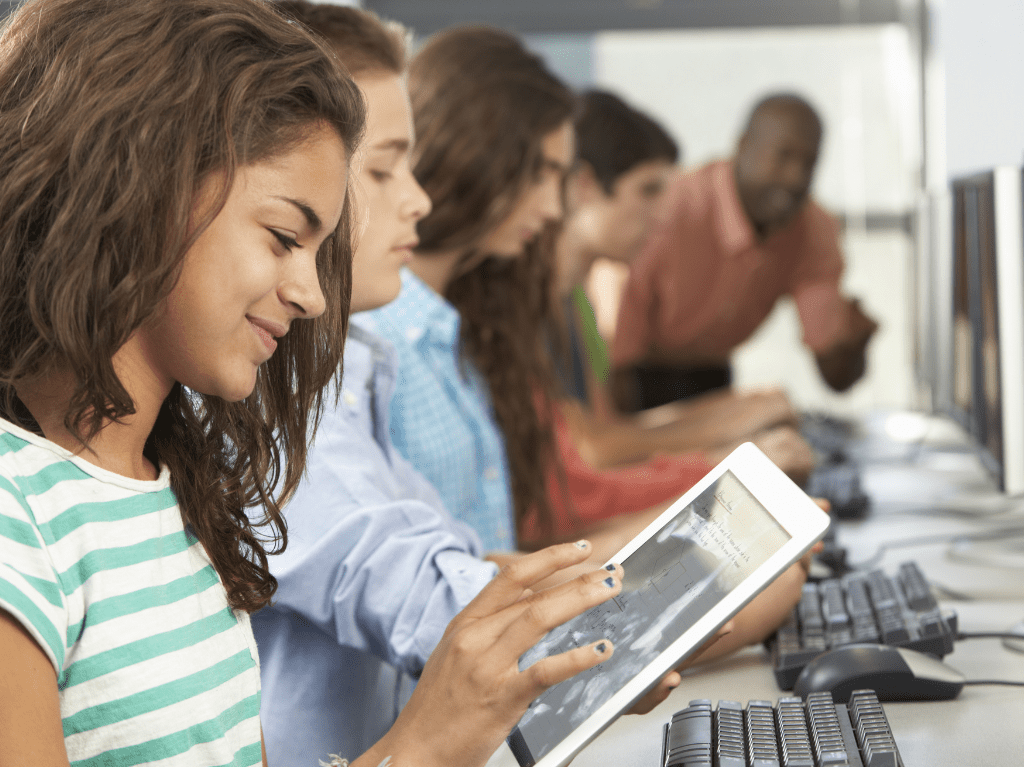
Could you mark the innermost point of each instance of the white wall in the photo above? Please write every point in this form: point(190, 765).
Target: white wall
point(981, 45)
point(701, 84)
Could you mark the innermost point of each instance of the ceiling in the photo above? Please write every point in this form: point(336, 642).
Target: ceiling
point(562, 16)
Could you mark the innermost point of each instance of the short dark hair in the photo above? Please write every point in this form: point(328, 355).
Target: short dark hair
point(793, 103)
point(363, 41)
point(613, 137)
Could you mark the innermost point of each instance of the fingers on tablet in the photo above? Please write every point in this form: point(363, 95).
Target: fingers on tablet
point(537, 614)
point(550, 671)
point(520, 575)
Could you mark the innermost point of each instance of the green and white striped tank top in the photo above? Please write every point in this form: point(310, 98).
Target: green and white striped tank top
point(152, 664)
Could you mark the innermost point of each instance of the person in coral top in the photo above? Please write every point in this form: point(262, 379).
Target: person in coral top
point(734, 236)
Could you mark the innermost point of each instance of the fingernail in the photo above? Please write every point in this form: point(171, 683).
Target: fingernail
point(610, 568)
point(609, 582)
point(582, 544)
point(601, 648)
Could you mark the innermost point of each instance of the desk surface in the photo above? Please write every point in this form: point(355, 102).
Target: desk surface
point(983, 726)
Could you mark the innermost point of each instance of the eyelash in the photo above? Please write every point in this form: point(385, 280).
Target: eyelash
point(285, 240)
point(380, 175)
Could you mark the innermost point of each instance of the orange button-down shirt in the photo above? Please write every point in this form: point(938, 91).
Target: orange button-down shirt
point(704, 283)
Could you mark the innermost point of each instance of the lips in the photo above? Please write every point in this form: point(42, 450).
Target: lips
point(266, 332)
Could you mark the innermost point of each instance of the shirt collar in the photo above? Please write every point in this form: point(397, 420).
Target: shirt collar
point(433, 315)
point(371, 370)
point(734, 227)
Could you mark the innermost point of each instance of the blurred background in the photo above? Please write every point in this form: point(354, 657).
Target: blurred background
point(912, 92)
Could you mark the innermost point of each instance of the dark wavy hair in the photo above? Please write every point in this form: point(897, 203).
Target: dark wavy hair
point(113, 114)
point(482, 105)
point(613, 137)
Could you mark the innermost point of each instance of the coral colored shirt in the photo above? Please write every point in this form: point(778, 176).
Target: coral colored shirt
point(704, 283)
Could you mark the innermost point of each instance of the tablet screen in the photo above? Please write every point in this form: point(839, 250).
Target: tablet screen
point(670, 582)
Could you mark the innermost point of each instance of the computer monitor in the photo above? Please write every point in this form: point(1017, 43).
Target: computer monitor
point(987, 387)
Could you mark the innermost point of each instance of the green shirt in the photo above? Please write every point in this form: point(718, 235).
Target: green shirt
point(593, 344)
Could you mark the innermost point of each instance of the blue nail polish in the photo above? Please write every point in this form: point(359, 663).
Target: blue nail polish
point(609, 582)
point(581, 544)
point(600, 648)
point(610, 568)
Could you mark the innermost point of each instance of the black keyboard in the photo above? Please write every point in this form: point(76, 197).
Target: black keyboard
point(794, 733)
point(839, 482)
point(829, 435)
point(861, 606)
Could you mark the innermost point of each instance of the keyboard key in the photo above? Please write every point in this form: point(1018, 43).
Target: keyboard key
point(690, 736)
point(794, 733)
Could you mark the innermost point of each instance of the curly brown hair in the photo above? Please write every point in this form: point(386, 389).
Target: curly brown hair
point(482, 105)
point(113, 114)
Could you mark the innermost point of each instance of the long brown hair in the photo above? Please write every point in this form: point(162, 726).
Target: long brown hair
point(482, 105)
point(113, 113)
point(364, 41)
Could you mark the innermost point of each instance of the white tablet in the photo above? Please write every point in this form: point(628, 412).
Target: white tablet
point(688, 573)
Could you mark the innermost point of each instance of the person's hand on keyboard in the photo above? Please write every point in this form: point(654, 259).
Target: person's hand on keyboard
point(787, 450)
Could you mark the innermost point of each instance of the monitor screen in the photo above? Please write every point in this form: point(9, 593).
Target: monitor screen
point(988, 319)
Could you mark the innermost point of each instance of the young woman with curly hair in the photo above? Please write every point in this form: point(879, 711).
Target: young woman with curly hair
point(175, 266)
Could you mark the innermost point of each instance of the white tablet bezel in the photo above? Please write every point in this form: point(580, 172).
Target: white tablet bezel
point(795, 512)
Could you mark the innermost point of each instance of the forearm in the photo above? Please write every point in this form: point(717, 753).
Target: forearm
point(842, 364)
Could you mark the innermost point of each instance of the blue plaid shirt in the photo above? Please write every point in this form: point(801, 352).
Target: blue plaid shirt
point(441, 414)
point(374, 571)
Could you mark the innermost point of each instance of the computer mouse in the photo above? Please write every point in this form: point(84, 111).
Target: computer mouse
point(894, 673)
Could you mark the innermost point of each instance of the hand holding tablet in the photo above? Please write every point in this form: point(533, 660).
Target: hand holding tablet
point(472, 692)
point(687, 574)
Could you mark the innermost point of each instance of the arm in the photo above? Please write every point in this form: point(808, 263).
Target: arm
point(632, 341)
point(784, 447)
point(721, 420)
point(362, 522)
point(835, 327)
point(843, 363)
point(30, 722)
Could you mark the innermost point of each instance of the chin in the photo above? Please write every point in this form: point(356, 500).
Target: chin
point(237, 388)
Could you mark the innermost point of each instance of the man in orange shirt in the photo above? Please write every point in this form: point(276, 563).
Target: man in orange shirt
point(736, 236)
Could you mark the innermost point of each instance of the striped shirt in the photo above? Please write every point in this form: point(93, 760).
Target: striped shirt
point(152, 664)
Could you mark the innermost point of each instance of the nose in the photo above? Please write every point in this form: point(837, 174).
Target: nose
point(797, 174)
point(300, 288)
point(416, 202)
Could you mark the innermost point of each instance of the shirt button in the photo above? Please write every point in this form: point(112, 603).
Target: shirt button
point(490, 473)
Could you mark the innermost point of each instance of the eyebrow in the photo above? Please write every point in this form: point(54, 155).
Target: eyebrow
point(400, 144)
point(312, 219)
point(555, 165)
